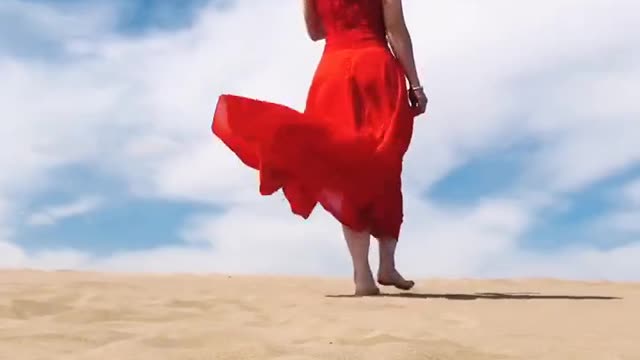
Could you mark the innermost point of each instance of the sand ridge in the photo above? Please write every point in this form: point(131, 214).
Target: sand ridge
point(75, 315)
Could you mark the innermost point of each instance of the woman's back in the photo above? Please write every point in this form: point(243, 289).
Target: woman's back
point(352, 21)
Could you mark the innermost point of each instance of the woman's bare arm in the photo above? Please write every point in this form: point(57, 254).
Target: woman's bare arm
point(399, 39)
point(400, 42)
point(312, 20)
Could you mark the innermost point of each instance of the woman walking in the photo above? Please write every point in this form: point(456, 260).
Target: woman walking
point(345, 151)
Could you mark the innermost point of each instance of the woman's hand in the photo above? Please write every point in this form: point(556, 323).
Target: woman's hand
point(418, 99)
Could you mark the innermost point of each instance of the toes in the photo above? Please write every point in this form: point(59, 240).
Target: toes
point(407, 285)
point(399, 283)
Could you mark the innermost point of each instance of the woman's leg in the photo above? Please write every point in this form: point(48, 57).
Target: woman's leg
point(358, 243)
point(388, 275)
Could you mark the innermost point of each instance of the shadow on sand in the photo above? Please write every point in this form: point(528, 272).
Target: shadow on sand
point(486, 296)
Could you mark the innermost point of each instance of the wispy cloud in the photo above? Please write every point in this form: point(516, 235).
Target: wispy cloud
point(625, 215)
point(631, 193)
point(627, 221)
point(53, 214)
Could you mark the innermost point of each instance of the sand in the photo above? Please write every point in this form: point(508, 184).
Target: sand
point(69, 315)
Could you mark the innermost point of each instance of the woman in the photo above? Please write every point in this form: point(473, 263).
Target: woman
point(345, 151)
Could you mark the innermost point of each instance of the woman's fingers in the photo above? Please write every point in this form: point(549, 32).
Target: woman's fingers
point(419, 100)
point(422, 101)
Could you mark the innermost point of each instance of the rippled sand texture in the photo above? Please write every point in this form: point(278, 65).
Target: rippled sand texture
point(67, 315)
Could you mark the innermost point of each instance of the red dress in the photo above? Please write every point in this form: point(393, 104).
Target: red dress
point(345, 151)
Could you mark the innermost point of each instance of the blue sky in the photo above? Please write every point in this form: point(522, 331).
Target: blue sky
point(142, 15)
point(124, 223)
point(527, 163)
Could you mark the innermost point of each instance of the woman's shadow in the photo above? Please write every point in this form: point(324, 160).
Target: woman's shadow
point(486, 296)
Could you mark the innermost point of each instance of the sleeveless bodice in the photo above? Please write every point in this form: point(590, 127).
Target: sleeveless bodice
point(352, 23)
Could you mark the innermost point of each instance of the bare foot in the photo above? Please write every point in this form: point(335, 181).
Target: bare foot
point(365, 285)
point(393, 278)
point(369, 291)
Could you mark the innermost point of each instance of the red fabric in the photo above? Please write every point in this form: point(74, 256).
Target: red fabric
point(345, 151)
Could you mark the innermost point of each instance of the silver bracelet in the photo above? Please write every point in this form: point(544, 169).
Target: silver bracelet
point(416, 88)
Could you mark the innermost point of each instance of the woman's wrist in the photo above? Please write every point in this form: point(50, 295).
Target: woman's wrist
point(416, 88)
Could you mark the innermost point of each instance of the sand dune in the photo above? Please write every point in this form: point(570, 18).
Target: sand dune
point(68, 315)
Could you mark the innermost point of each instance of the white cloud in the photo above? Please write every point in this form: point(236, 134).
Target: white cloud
point(625, 216)
point(53, 214)
point(627, 221)
point(582, 263)
point(631, 193)
point(28, 22)
point(12, 256)
point(556, 73)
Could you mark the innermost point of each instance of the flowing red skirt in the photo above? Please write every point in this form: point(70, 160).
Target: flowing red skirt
point(345, 151)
